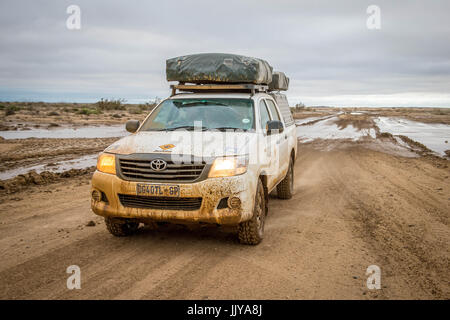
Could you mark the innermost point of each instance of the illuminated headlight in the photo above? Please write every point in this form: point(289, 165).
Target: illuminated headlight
point(228, 166)
point(106, 163)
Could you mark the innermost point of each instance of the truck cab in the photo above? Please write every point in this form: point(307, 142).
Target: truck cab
point(206, 154)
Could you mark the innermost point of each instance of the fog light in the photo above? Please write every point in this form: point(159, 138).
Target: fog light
point(96, 195)
point(234, 202)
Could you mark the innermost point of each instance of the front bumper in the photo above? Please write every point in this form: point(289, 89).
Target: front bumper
point(211, 190)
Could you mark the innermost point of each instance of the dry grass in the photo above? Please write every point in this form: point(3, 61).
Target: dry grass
point(358, 121)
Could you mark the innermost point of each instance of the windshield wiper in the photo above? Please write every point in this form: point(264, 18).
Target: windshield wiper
point(204, 102)
point(187, 128)
point(227, 128)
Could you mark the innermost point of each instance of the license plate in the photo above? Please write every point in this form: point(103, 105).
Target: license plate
point(162, 190)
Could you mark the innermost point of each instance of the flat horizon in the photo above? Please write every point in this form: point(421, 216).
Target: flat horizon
point(152, 100)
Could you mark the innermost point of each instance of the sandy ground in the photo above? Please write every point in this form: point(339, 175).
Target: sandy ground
point(353, 207)
point(356, 203)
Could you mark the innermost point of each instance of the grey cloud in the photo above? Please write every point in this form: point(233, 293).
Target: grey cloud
point(324, 46)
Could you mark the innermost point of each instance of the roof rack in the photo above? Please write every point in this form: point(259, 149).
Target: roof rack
point(241, 87)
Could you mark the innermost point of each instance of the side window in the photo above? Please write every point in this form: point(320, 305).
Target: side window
point(263, 114)
point(273, 110)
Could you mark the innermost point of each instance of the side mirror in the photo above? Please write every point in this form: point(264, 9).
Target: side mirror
point(132, 125)
point(274, 126)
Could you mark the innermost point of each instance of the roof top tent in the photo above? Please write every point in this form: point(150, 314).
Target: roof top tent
point(219, 68)
point(221, 72)
point(279, 82)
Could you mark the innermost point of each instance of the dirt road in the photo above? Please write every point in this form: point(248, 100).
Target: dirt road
point(353, 207)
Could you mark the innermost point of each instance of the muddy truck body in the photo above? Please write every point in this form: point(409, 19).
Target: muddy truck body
point(209, 153)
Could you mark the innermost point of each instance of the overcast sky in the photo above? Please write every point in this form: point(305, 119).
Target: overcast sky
point(325, 47)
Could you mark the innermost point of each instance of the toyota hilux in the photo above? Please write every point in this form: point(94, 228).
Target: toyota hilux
point(211, 155)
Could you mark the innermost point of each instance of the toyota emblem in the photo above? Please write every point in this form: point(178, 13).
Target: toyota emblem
point(158, 165)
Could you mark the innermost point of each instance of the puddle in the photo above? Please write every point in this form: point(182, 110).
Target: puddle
point(61, 166)
point(327, 129)
point(65, 132)
point(432, 135)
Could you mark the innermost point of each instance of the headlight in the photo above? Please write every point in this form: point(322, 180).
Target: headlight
point(228, 166)
point(106, 163)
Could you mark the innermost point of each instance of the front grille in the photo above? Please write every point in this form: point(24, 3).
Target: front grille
point(141, 170)
point(163, 203)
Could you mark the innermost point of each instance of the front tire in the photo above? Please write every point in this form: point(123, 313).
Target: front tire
point(285, 189)
point(121, 227)
point(252, 231)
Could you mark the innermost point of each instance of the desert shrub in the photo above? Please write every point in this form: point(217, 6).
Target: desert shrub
point(53, 113)
point(88, 111)
point(135, 110)
point(10, 110)
point(115, 115)
point(105, 104)
point(148, 106)
point(299, 106)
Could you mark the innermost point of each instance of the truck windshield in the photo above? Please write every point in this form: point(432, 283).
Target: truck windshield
point(208, 114)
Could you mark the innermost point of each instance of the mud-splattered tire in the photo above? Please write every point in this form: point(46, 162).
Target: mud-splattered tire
point(285, 189)
point(121, 228)
point(252, 231)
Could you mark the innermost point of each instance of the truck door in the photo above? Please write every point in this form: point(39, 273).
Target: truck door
point(271, 148)
point(281, 141)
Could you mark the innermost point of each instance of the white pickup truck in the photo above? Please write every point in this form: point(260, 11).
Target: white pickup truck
point(211, 155)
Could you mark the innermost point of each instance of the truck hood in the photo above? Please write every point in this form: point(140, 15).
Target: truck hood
point(198, 144)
